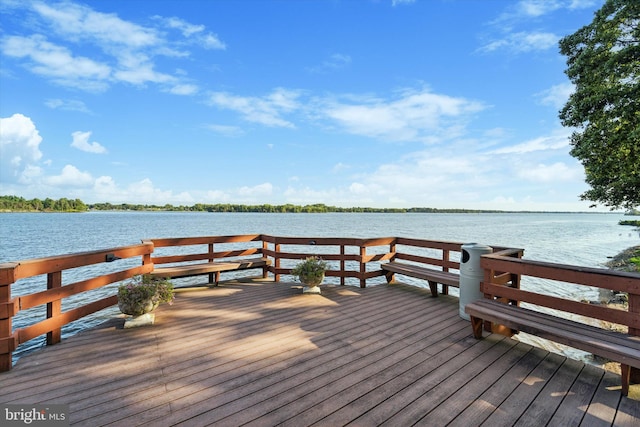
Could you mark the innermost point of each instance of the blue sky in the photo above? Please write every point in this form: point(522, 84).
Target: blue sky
point(380, 103)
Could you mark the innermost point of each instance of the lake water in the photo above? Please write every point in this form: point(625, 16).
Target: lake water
point(569, 238)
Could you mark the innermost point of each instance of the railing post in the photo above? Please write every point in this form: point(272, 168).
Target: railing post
point(146, 258)
point(212, 278)
point(54, 280)
point(515, 278)
point(265, 269)
point(445, 262)
point(342, 265)
point(363, 267)
point(276, 261)
point(8, 309)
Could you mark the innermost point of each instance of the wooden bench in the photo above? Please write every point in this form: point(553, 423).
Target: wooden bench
point(433, 276)
point(615, 346)
point(213, 268)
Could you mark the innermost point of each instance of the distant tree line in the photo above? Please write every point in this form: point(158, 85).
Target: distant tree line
point(227, 207)
point(20, 204)
point(268, 208)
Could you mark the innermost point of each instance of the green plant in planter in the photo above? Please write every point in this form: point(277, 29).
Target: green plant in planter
point(310, 271)
point(143, 294)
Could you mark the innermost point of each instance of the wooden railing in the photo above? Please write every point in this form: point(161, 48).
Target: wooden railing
point(53, 268)
point(359, 258)
point(617, 281)
point(210, 242)
point(499, 266)
point(348, 255)
point(351, 260)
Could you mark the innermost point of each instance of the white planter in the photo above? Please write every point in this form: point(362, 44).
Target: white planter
point(311, 286)
point(142, 320)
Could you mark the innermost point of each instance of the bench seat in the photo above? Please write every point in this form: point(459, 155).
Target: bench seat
point(431, 275)
point(612, 345)
point(211, 268)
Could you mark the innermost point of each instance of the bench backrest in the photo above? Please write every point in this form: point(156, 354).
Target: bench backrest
point(206, 248)
point(496, 265)
point(445, 255)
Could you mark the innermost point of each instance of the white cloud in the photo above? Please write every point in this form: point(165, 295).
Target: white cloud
point(196, 33)
point(106, 187)
point(57, 62)
point(513, 29)
point(184, 89)
point(138, 69)
point(30, 175)
point(556, 141)
point(224, 130)
point(413, 115)
point(410, 115)
point(217, 196)
point(145, 190)
point(401, 2)
point(211, 41)
point(340, 167)
point(70, 177)
point(522, 42)
point(556, 172)
point(83, 22)
point(557, 95)
point(534, 8)
point(81, 142)
point(67, 105)
point(121, 51)
point(527, 9)
point(19, 147)
point(265, 189)
point(535, 175)
point(582, 4)
point(185, 27)
point(267, 110)
point(357, 188)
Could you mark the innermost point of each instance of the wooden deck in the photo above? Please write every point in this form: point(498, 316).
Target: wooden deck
point(263, 354)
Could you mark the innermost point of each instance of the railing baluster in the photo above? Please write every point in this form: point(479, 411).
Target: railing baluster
point(276, 261)
point(213, 279)
point(342, 265)
point(363, 267)
point(265, 270)
point(54, 308)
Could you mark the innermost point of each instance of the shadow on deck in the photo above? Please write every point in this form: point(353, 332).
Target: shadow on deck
point(260, 353)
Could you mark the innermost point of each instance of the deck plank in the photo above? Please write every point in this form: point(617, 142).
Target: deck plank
point(579, 396)
point(478, 383)
point(260, 353)
point(488, 402)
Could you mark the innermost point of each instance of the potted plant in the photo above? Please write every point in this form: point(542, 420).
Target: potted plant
point(310, 273)
point(143, 294)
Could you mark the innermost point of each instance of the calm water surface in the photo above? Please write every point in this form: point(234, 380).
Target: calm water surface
point(578, 239)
